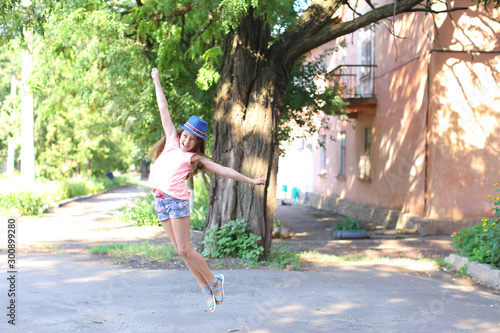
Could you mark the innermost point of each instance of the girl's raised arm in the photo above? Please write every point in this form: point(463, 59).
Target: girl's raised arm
point(161, 100)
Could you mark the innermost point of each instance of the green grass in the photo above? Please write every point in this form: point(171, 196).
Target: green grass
point(123, 252)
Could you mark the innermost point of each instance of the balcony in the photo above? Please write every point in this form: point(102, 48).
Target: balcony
point(356, 85)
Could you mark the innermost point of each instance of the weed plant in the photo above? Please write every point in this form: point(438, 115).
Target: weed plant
point(280, 256)
point(349, 223)
point(481, 242)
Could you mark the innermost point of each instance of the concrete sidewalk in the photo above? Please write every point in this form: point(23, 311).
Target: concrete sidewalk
point(76, 292)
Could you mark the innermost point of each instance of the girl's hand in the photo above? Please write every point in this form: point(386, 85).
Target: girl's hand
point(258, 181)
point(154, 74)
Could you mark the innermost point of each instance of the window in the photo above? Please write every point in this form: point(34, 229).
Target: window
point(342, 154)
point(322, 155)
point(365, 59)
point(365, 160)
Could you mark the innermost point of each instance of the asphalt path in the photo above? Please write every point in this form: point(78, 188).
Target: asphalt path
point(74, 291)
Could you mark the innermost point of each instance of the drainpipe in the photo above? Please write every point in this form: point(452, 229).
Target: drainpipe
point(427, 138)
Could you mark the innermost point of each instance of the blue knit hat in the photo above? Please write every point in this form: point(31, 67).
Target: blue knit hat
point(197, 126)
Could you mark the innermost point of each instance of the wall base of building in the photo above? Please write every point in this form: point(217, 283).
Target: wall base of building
point(389, 218)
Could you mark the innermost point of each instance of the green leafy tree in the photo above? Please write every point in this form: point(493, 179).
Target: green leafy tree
point(75, 122)
point(10, 66)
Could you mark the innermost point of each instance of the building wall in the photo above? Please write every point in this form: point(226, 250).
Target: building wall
point(436, 124)
point(465, 110)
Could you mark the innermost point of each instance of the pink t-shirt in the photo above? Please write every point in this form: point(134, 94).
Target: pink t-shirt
point(170, 169)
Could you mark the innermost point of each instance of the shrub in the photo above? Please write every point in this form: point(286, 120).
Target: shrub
point(481, 242)
point(139, 212)
point(348, 223)
point(47, 194)
point(233, 239)
point(25, 203)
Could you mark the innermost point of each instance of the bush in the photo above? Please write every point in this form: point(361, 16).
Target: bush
point(48, 194)
point(139, 212)
point(25, 203)
point(482, 241)
point(233, 239)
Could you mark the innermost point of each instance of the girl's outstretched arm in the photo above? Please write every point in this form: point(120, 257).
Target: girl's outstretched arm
point(161, 100)
point(228, 172)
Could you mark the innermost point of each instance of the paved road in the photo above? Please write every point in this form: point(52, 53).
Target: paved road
point(76, 292)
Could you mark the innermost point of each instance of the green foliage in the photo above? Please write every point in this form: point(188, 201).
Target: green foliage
point(16, 19)
point(70, 188)
point(348, 223)
point(139, 212)
point(277, 224)
point(24, 203)
point(481, 242)
point(75, 126)
point(10, 115)
point(280, 256)
point(278, 14)
point(233, 239)
point(198, 216)
point(306, 98)
point(463, 271)
point(49, 194)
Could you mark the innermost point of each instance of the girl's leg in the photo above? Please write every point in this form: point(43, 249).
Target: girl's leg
point(181, 230)
point(167, 226)
point(202, 282)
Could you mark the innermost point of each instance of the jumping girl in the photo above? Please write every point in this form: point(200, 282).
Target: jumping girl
point(178, 156)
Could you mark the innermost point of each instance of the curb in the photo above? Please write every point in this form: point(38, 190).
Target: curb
point(483, 272)
point(66, 201)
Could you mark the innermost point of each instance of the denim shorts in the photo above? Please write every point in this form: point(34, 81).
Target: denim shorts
point(168, 207)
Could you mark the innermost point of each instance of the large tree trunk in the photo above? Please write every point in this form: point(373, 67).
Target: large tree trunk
point(249, 95)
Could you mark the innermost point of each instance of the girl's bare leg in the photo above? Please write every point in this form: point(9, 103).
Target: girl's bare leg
point(178, 230)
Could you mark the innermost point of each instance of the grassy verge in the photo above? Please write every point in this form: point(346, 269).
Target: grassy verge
point(280, 256)
point(43, 195)
point(147, 252)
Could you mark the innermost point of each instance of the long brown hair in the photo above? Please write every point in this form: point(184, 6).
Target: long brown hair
point(199, 149)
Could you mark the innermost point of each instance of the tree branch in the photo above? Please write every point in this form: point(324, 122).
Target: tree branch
point(304, 42)
point(428, 10)
point(181, 11)
point(370, 4)
point(205, 27)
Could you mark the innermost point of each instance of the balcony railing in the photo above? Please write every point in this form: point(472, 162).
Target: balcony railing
point(354, 81)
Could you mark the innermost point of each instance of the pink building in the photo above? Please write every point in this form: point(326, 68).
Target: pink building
point(421, 147)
